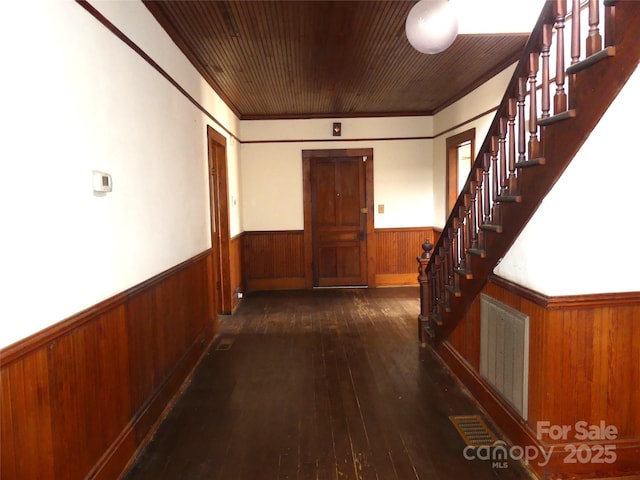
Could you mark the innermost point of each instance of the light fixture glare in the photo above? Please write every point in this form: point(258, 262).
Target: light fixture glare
point(431, 26)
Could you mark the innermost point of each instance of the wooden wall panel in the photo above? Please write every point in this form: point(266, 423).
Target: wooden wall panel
point(26, 443)
point(465, 339)
point(398, 248)
point(584, 365)
point(89, 378)
point(596, 351)
point(274, 259)
point(396, 252)
point(80, 397)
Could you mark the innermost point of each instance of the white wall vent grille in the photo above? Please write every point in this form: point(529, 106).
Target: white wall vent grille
point(504, 351)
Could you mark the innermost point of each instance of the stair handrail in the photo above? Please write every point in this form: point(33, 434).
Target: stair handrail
point(493, 180)
point(533, 45)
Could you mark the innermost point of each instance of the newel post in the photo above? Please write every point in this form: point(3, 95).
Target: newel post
point(426, 293)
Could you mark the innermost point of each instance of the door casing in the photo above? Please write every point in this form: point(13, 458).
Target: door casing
point(453, 143)
point(219, 211)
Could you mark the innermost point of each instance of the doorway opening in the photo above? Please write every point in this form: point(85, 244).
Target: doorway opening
point(219, 211)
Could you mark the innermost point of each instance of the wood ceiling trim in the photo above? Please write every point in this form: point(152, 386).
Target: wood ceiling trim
point(309, 116)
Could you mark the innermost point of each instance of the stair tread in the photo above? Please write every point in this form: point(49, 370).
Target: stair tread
point(592, 59)
point(534, 162)
point(509, 199)
point(445, 304)
point(479, 252)
point(491, 227)
point(453, 290)
point(543, 122)
point(437, 319)
point(429, 331)
point(468, 274)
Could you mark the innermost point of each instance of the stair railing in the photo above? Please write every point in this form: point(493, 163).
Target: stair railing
point(512, 145)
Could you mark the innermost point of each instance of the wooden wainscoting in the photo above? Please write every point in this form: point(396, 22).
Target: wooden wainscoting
point(274, 260)
point(236, 252)
point(396, 252)
point(82, 396)
point(584, 365)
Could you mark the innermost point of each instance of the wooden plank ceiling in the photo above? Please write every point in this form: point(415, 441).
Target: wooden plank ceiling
point(306, 59)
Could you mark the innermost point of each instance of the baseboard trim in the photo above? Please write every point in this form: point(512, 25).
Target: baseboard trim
point(284, 283)
point(512, 425)
point(396, 279)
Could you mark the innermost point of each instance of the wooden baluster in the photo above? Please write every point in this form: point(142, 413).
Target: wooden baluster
point(449, 253)
point(479, 173)
point(473, 225)
point(436, 284)
point(464, 265)
point(434, 299)
point(522, 136)
point(495, 174)
point(467, 228)
point(502, 154)
point(456, 251)
point(594, 40)
point(575, 48)
point(512, 180)
point(534, 143)
point(443, 272)
point(547, 32)
point(426, 291)
point(560, 98)
point(575, 32)
point(486, 196)
point(609, 25)
point(444, 253)
point(453, 255)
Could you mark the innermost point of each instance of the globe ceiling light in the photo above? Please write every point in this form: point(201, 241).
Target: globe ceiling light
point(431, 26)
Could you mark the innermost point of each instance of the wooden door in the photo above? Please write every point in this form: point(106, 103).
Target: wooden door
point(339, 218)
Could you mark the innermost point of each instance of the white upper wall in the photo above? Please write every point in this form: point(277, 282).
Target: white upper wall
point(135, 21)
point(271, 169)
point(582, 238)
point(75, 98)
point(484, 98)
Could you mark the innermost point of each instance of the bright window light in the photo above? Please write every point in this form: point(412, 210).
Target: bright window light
point(496, 16)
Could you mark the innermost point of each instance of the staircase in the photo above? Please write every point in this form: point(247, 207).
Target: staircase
point(541, 123)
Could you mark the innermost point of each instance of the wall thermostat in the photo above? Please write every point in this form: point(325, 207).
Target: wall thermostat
point(102, 182)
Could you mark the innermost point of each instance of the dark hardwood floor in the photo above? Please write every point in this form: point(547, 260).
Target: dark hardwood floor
point(322, 384)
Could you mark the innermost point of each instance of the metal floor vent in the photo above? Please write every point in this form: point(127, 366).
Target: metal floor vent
point(224, 344)
point(473, 430)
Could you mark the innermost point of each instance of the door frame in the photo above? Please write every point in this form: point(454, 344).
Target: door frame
point(453, 143)
point(219, 214)
point(307, 159)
